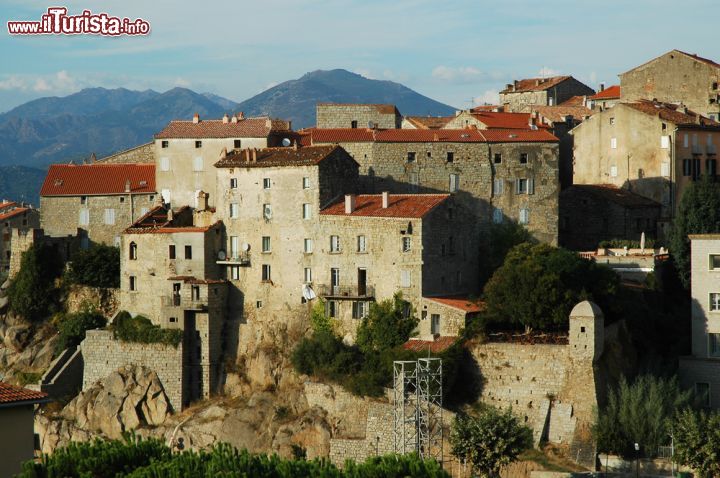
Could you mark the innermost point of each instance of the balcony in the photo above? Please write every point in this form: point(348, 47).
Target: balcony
point(345, 291)
point(183, 302)
point(236, 259)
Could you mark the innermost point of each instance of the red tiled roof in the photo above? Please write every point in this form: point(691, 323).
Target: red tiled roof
point(98, 179)
point(468, 135)
point(339, 135)
point(6, 204)
point(535, 84)
point(275, 157)
point(438, 345)
point(243, 128)
point(504, 120)
point(485, 108)
point(578, 100)
point(671, 112)
point(699, 58)
point(379, 107)
point(460, 303)
point(429, 122)
point(156, 221)
point(10, 394)
point(428, 136)
point(518, 136)
point(556, 114)
point(399, 205)
point(12, 213)
point(609, 93)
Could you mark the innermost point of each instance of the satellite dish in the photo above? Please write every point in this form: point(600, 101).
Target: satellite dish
point(221, 255)
point(245, 246)
point(286, 142)
point(371, 124)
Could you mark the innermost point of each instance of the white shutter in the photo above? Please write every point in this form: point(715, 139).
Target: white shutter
point(613, 171)
point(234, 247)
point(665, 169)
point(517, 186)
point(404, 278)
point(198, 163)
point(664, 142)
point(110, 216)
point(531, 186)
point(164, 164)
point(166, 196)
point(613, 143)
point(84, 218)
point(524, 216)
point(497, 215)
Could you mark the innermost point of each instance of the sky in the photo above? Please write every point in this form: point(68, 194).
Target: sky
point(459, 52)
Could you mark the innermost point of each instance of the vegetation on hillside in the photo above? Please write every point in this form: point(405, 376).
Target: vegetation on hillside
point(97, 266)
point(697, 441)
point(32, 293)
point(140, 329)
point(72, 327)
point(151, 458)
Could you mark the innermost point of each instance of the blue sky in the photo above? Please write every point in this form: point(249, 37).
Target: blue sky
point(455, 51)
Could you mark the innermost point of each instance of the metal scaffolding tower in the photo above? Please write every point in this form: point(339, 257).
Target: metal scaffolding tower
point(418, 407)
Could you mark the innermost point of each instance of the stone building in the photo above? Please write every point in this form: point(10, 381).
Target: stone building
point(496, 174)
point(17, 440)
point(701, 370)
point(676, 77)
point(493, 120)
point(349, 115)
point(96, 201)
point(425, 122)
point(605, 98)
point(446, 315)
point(185, 152)
point(590, 213)
point(144, 153)
point(520, 95)
point(652, 149)
point(13, 216)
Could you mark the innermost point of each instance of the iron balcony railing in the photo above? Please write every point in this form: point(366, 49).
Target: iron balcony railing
point(236, 258)
point(346, 291)
point(184, 302)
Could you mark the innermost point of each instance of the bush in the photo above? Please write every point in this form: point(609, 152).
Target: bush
point(500, 239)
point(387, 325)
point(640, 412)
point(141, 329)
point(697, 441)
point(32, 293)
point(318, 320)
point(72, 327)
point(97, 266)
point(621, 243)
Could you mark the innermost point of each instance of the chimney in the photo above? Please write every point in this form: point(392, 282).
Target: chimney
point(169, 214)
point(385, 199)
point(246, 155)
point(602, 86)
point(349, 203)
point(233, 119)
point(295, 145)
point(93, 158)
point(585, 101)
point(223, 153)
point(201, 200)
point(226, 119)
point(268, 123)
point(241, 116)
point(533, 118)
point(196, 118)
point(127, 186)
point(254, 155)
point(510, 86)
point(537, 82)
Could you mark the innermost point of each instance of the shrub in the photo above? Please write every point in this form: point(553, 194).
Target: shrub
point(387, 325)
point(500, 239)
point(32, 293)
point(318, 319)
point(141, 329)
point(72, 327)
point(621, 243)
point(97, 266)
point(697, 441)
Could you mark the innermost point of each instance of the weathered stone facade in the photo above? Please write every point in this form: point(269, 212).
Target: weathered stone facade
point(675, 77)
point(145, 153)
point(521, 95)
point(341, 115)
point(13, 217)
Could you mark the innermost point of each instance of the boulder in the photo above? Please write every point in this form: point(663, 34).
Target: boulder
point(16, 337)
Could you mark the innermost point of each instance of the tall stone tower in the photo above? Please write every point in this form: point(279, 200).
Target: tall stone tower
point(587, 331)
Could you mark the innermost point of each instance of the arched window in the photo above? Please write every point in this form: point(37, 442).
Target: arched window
point(133, 251)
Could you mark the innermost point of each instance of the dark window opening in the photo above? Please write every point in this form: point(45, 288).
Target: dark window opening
point(198, 144)
point(171, 251)
point(523, 158)
point(450, 157)
point(353, 124)
point(237, 144)
point(411, 157)
point(165, 144)
point(497, 159)
point(188, 252)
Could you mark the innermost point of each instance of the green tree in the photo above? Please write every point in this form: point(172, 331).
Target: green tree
point(97, 266)
point(72, 328)
point(489, 441)
point(499, 240)
point(697, 441)
point(387, 325)
point(640, 412)
point(698, 213)
point(538, 285)
point(32, 292)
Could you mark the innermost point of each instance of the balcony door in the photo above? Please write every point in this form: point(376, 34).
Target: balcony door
point(335, 280)
point(176, 294)
point(362, 282)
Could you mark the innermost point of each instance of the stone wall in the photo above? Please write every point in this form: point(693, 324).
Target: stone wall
point(521, 101)
point(145, 153)
point(102, 299)
point(29, 219)
point(103, 355)
point(331, 115)
point(20, 241)
point(379, 437)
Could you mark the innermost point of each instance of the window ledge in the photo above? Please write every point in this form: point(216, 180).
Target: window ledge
point(335, 252)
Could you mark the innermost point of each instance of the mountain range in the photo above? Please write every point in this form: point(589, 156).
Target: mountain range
point(103, 121)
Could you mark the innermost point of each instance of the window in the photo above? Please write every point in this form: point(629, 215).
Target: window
point(685, 140)
point(164, 164)
point(258, 304)
point(360, 309)
point(404, 278)
point(361, 244)
point(237, 144)
point(498, 187)
point(122, 198)
point(411, 157)
point(696, 169)
point(414, 182)
point(429, 154)
point(715, 301)
point(234, 210)
point(233, 183)
point(110, 216)
point(454, 183)
point(84, 218)
point(334, 243)
point(234, 247)
point(267, 212)
point(173, 319)
point(266, 244)
point(171, 251)
point(714, 262)
point(195, 293)
point(450, 157)
point(133, 283)
point(235, 272)
point(198, 163)
point(612, 120)
point(711, 167)
point(702, 392)
point(687, 167)
point(266, 183)
point(266, 272)
point(198, 144)
point(524, 216)
point(332, 309)
point(664, 142)
point(406, 244)
point(665, 169)
point(133, 251)
point(435, 324)
point(164, 144)
point(306, 183)
point(497, 158)
point(188, 252)
point(83, 200)
point(353, 124)
point(523, 158)
point(308, 275)
point(613, 171)
point(497, 215)
point(308, 246)
point(521, 186)
point(307, 211)
point(714, 345)
point(613, 143)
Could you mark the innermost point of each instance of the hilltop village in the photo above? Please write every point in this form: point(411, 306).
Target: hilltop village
point(228, 228)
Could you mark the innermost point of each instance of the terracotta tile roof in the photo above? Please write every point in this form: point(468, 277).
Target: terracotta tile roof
point(556, 114)
point(609, 93)
point(243, 128)
point(518, 136)
point(699, 58)
point(460, 303)
point(429, 136)
point(10, 394)
point(274, 157)
point(98, 179)
point(535, 84)
point(156, 221)
point(468, 135)
point(438, 345)
point(574, 101)
point(485, 108)
point(429, 122)
point(379, 107)
point(609, 192)
point(7, 204)
point(399, 205)
point(12, 213)
point(673, 113)
point(339, 135)
point(504, 120)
